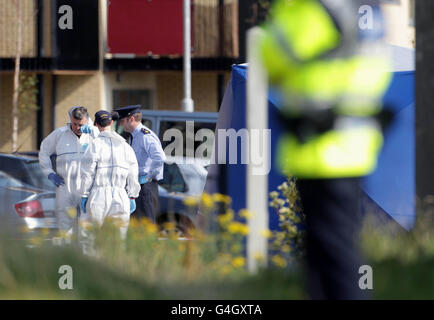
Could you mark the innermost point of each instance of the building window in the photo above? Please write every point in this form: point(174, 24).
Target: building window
point(127, 97)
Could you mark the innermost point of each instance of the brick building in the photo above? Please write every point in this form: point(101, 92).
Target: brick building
point(85, 64)
point(121, 52)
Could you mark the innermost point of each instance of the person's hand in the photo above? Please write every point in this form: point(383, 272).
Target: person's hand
point(83, 204)
point(143, 179)
point(56, 179)
point(84, 146)
point(132, 205)
point(85, 129)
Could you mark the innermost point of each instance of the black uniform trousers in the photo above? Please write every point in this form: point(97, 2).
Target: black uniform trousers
point(333, 223)
point(147, 202)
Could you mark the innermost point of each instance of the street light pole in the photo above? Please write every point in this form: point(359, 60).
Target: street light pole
point(187, 102)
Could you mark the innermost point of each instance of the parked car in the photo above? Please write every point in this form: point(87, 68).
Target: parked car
point(25, 168)
point(182, 178)
point(26, 198)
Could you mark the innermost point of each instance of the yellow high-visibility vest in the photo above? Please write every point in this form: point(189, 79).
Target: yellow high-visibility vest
point(294, 51)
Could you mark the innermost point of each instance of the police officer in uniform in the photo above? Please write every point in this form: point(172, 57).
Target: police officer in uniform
point(150, 157)
point(332, 81)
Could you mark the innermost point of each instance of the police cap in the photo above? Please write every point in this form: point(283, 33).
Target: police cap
point(128, 111)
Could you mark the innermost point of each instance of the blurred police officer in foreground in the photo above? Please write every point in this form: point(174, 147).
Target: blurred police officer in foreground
point(150, 157)
point(332, 84)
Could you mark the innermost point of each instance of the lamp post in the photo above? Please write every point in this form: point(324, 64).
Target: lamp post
point(187, 102)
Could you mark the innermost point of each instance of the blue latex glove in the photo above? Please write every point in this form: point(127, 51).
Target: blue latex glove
point(85, 129)
point(56, 179)
point(84, 146)
point(143, 179)
point(132, 205)
point(83, 204)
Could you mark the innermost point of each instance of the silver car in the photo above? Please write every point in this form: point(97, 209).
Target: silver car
point(27, 203)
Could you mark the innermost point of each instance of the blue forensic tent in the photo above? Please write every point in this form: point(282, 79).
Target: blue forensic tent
point(390, 189)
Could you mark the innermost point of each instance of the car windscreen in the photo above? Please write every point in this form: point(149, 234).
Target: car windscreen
point(194, 176)
point(37, 177)
point(6, 181)
point(173, 180)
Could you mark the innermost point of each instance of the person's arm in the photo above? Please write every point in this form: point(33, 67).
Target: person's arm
point(95, 132)
point(156, 153)
point(89, 163)
point(133, 186)
point(48, 147)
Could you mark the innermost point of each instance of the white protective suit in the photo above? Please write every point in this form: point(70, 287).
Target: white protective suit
point(109, 175)
point(69, 150)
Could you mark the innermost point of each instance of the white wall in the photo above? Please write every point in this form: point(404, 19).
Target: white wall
point(399, 30)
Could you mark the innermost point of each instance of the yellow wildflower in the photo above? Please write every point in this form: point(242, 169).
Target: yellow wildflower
point(266, 233)
point(273, 194)
point(234, 227)
point(279, 261)
point(152, 227)
point(238, 262)
point(237, 227)
point(218, 197)
point(226, 217)
point(145, 221)
point(259, 257)
point(244, 229)
point(168, 226)
point(286, 248)
point(72, 212)
point(207, 200)
point(246, 214)
point(190, 201)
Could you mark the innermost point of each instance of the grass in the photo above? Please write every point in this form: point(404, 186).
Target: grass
point(402, 262)
point(33, 274)
point(210, 267)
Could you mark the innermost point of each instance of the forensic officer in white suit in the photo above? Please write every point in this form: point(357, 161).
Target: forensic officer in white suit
point(109, 175)
point(68, 144)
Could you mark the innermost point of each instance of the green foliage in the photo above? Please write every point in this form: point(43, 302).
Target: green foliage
point(28, 91)
point(402, 260)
